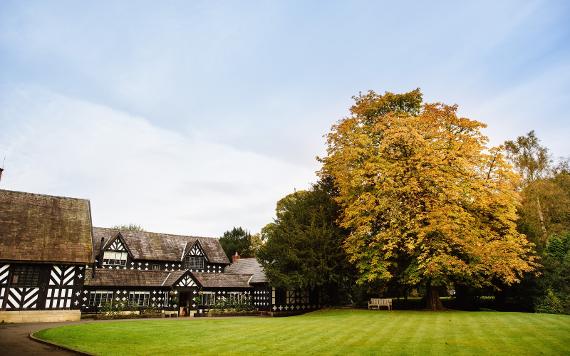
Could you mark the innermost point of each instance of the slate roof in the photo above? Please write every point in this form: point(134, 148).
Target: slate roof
point(131, 278)
point(44, 228)
point(136, 278)
point(222, 280)
point(248, 266)
point(161, 247)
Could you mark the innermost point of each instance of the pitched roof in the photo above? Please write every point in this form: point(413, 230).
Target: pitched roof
point(248, 266)
point(160, 247)
point(222, 280)
point(44, 228)
point(131, 278)
point(137, 278)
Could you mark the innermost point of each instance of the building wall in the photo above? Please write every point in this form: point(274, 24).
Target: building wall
point(262, 296)
point(57, 287)
point(119, 297)
point(119, 246)
point(39, 316)
point(147, 265)
point(294, 300)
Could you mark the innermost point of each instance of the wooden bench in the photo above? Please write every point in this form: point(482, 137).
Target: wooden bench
point(376, 303)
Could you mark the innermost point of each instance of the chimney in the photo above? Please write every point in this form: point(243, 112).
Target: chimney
point(235, 257)
point(101, 251)
point(99, 256)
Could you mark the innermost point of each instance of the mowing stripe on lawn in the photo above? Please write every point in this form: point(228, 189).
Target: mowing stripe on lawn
point(327, 332)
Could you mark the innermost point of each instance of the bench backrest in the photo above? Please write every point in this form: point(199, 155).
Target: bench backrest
point(380, 301)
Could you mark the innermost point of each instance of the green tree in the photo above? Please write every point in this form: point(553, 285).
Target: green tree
point(240, 241)
point(129, 227)
point(423, 197)
point(555, 282)
point(303, 245)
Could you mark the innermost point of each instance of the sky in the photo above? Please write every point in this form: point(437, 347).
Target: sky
point(193, 117)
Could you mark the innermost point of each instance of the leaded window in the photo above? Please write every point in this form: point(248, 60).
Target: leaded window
point(26, 276)
point(208, 298)
point(139, 299)
point(238, 297)
point(113, 258)
point(194, 262)
point(100, 297)
point(298, 296)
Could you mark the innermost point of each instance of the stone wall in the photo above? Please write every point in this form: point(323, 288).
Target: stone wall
point(39, 316)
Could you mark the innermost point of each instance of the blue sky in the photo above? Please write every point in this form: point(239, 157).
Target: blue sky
point(193, 117)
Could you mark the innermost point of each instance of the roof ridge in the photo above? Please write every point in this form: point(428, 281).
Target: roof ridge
point(157, 233)
point(43, 195)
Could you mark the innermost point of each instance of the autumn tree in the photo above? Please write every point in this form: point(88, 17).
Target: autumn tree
point(423, 196)
point(303, 247)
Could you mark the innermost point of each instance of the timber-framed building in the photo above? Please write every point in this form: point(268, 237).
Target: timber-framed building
point(45, 246)
point(53, 262)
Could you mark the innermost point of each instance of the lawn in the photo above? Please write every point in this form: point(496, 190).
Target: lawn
point(327, 332)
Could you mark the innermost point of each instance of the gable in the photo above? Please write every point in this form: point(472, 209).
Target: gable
point(117, 244)
point(195, 250)
point(151, 246)
point(185, 281)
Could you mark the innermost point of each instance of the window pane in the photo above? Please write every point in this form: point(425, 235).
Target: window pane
point(26, 276)
point(140, 299)
point(111, 258)
point(194, 262)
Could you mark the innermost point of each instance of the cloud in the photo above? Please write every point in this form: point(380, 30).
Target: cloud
point(135, 172)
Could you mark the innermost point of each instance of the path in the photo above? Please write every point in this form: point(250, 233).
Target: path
point(14, 340)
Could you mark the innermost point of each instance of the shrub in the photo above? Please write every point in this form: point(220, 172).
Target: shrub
point(550, 303)
point(222, 305)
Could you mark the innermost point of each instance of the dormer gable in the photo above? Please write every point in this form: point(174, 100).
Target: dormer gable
point(117, 244)
point(194, 257)
point(115, 252)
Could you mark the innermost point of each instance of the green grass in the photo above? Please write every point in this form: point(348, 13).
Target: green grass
point(327, 332)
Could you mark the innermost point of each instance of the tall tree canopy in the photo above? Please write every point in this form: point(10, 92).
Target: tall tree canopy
point(528, 157)
point(240, 241)
point(303, 245)
point(532, 161)
point(423, 196)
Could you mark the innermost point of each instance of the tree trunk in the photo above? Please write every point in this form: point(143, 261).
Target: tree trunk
point(432, 298)
point(541, 219)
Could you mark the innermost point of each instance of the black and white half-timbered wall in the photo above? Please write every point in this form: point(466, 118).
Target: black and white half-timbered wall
point(149, 251)
point(265, 297)
point(45, 244)
point(55, 264)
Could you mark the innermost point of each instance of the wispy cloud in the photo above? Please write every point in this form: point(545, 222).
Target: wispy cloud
point(195, 116)
point(136, 172)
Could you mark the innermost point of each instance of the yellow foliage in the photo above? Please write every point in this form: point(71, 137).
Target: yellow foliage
point(422, 192)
